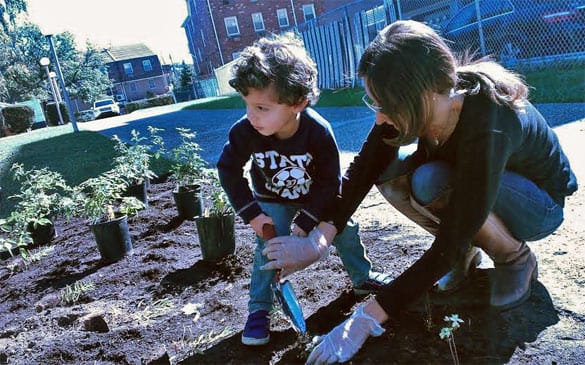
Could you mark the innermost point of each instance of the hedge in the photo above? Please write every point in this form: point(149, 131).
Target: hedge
point(149, 103)
point(18, 118)
point(53, 116)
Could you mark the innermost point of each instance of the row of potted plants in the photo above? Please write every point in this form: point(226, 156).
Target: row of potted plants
point(107, 200)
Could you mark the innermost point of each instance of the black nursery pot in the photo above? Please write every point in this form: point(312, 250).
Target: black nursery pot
point(216, 236)
point(41, 234)
point(139, 191)
point(112, 238)
point(188, 201)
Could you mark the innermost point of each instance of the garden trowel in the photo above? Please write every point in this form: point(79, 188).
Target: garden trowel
point(284, 293)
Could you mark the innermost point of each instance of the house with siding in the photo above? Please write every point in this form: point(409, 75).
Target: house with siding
point(135, 71)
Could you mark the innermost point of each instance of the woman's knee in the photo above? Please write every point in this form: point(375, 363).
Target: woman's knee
point(430, 181)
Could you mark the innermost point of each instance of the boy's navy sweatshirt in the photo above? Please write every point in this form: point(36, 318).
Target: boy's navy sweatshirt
point(302, 169)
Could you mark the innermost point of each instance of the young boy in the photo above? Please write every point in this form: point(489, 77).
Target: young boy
point(295, 166)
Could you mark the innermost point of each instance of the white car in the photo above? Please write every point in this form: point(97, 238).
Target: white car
point(104, 108)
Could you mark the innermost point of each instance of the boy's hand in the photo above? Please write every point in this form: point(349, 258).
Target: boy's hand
point(257, 223)
point(297, 231)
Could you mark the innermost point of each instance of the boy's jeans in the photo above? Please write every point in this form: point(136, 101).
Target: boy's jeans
point(348, 244)
point(527, 211)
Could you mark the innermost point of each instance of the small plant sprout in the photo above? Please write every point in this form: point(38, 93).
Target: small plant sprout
point(447, 335)
point(156, 309)
point(37, 255)
point(72, 293)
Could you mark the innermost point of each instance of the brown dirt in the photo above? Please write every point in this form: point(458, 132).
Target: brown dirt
point(135, 312)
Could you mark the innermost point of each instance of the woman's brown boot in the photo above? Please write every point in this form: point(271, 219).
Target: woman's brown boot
point(515, 265)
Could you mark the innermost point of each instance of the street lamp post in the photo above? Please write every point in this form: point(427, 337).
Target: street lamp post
point(45, 63)
point(62, 83)
point(53, 77)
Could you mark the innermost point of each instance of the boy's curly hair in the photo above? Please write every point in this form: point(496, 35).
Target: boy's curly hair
point(281, 60)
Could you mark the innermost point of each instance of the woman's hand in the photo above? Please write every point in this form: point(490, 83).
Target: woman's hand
point(258, 222)
point(345, 340)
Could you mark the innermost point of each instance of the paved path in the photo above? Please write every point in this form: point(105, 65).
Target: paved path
point(350, 124)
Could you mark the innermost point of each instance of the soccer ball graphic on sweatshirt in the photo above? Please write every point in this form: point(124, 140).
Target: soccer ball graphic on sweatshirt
point(289, 177)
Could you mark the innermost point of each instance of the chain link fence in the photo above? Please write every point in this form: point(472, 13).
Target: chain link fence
point(520, 34)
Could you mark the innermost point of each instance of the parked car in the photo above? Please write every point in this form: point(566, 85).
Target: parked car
point(105, 108)
point(519, 29)
point(86, 115)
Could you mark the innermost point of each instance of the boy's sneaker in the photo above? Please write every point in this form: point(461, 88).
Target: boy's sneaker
point(373, 285)
point(257, 329)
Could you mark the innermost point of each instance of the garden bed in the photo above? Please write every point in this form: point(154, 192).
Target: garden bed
point(164, 303)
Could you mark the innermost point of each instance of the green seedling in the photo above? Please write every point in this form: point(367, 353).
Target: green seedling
point(72, 293)
point(156, 309)
point(447, 335)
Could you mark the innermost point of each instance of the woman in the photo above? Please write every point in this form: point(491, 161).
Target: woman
point(487, 172)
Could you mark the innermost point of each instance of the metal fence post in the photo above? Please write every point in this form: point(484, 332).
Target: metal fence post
point(480, 28)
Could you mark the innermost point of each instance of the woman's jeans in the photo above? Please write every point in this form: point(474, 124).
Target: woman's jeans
point(526, 210)
point(348, 245)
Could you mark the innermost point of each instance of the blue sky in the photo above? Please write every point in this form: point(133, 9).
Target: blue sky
point(156, 23)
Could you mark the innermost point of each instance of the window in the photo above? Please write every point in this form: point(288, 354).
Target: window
point(151, 84)
point(282, 17)
point(375, 20)
point(146, 65)
point(309, 12)
point(202, 37)
point(132, 86)
point(258, 22)
point(231, 26)
point(128, 68)
point(235, 55)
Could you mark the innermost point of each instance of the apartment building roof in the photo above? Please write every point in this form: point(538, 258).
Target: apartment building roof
point(126, 52)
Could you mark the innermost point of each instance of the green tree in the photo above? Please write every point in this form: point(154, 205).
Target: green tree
point(89, 76)
point(186, 76)
point(9, 12)
point(23, 78)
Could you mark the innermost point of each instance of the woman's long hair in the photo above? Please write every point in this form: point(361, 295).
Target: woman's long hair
point(408, 60)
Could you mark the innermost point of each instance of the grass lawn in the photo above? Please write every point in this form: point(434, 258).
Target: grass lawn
point(77, 156)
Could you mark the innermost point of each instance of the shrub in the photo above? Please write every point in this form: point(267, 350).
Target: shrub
point(18, 118)
point(149, 103)
point(53, 116)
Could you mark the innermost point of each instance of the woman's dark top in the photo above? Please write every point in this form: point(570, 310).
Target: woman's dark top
point(488, 139)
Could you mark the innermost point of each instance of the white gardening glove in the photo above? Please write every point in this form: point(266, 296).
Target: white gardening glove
point(293, 253)
point(346, 339)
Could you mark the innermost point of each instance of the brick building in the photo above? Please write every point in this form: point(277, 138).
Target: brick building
point(135, 71)
point(218, 30)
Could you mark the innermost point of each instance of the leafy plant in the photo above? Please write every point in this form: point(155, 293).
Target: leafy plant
point(15, 235)
point(188, 165)
point(97, 197)
point(133, 161)
point(216, 202)
point(447, 335)
point(43, 194)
